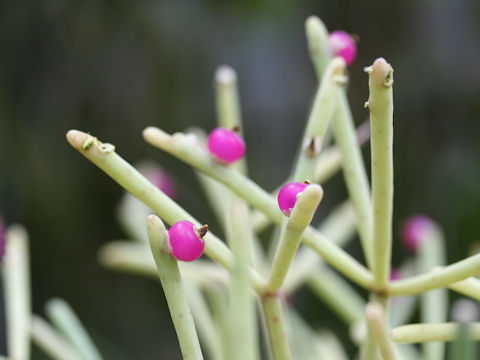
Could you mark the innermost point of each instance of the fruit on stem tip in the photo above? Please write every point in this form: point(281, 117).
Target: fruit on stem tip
point(287, 197)
point(341, 43)
point(225, 145)
point(185, 241)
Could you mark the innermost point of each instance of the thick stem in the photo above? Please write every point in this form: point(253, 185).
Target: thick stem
point(322, 111)
point(174, 293)
point(380, 104)
point(376, 323)
point(66, 321)
point(317, 38)
point(438, 277)
point(299, 219)
point(420, 333)
point(104, 156)
point(180, 146)
point(50, 341)
point(16, 279)
point(469, 287)
point(272, 307)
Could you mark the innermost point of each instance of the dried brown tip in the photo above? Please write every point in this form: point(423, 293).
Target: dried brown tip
point(313, 146)
point(307, 182)
point(202, 231)
point(236, 129)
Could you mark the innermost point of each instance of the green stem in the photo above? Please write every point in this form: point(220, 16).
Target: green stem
point(242, 323)
point(317, 38)
point(380, 104)
point(376, 323)
point(66, 321)
point(131, 257)
point(16, 278)
point(174, 293)
point(354, 173)
point(469, 287)
point(299, 219)
point(339, 226)
point(50, 341)
point(180, 146)
point(203, 321)
point(433, 304)
point(104, 156)
point(340, 297)
point(279, 343)
point(438, 277)
point(322, 111)
point(420, 333)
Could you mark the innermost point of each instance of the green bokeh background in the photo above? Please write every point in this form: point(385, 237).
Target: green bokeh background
point(114, 67)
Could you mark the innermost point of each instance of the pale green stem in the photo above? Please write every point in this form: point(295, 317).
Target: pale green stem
point(228, 106)
point(376, 323)
point(380, 104)
point(50, 341)
point(173, 288)
point(404, 307)
point(317, 38)
point(300, 218)
point(104, 156)
point(433, 304)
point(317, 124)
point(369, 349)
point(67, 323)
point(277, 330)
point(340, 297)
point(131, 257)
point(469, 287)
point(16, 279)
point(438, 277)
point(339, 226)
point(420, 333)
point(218, 300)
point(204, 321)
point(131, 214)
point(328, 164)
point(180, 146)
point(242, 323)
point(302, 337)
point(331, 346)
point(354, 173)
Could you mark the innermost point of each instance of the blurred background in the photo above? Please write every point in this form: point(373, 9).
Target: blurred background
point(114, 67)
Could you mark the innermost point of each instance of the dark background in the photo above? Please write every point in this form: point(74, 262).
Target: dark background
point(114, 67)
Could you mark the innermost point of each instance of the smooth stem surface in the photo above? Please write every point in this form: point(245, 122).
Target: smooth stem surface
point(376, 323)
point(104, 156)
point(242, 321)
point(354, 173)
point(277, 330)
point(16, 279)
point(173, 288)
point(67, 323)
point(300, 218)
point(322, 111)
point(433, 304)
point(338, 295)
point(339, 226)
point(438, 277)
point(181, 147)
point(204, 321)
point(469, 287)
point(50, 341)
point(317, 39)
point(420, 333)
point(380, 104)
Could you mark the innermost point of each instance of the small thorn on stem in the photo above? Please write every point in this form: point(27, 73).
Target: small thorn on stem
point(202, 231)
point(236, 129)
point(313, 147)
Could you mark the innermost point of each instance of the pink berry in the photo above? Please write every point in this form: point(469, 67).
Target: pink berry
point(287, 197)
point(186, 241)
point(226, 145)
point(415, 231)
point(342, 44)
point(163, 181)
